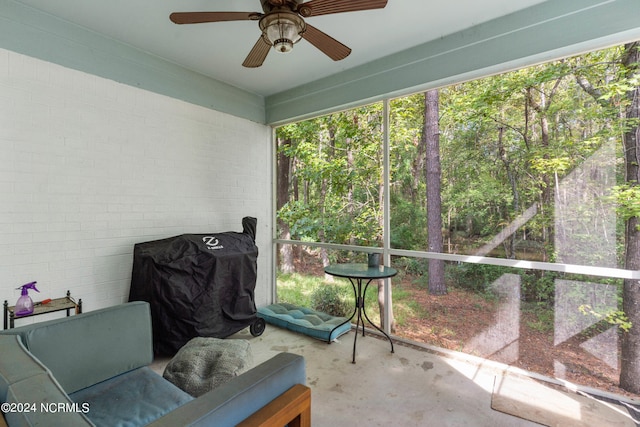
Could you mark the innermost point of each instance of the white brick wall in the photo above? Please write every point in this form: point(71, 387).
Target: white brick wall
point(89, 167)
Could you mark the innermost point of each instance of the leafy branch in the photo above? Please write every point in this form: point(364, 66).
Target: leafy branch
point(627, 199)
point(613, 317)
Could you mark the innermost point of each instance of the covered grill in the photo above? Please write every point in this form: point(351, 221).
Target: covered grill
point(198, 285)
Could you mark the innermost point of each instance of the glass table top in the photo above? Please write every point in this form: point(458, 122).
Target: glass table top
point(360, 271)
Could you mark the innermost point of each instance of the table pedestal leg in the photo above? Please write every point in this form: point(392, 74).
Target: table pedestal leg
point(359, 305)
point(359, 294)
point(372, 324)
point(355, 310)
point(356, 273)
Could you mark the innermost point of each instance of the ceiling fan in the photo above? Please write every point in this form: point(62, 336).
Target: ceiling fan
point(282, 25)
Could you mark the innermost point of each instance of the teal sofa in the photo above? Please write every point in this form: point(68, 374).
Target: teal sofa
point(93, 369)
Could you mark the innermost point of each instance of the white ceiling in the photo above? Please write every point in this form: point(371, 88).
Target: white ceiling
point(218, 49)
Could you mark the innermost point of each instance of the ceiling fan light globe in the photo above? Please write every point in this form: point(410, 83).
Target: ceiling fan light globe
point(282, 30)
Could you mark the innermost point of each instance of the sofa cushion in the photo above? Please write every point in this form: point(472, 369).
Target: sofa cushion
point(236, 400)
point(204, 363)
point(135, 398)
point(14, 355)
point(305, 321)
point(104, 350)
point(48, 405)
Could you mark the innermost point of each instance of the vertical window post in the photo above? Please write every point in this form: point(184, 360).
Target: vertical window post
point(386, 210)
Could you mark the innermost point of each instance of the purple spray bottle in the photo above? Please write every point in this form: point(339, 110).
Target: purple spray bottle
point(24, 305)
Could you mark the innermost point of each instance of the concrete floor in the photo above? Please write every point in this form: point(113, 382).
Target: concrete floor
point(412, 387)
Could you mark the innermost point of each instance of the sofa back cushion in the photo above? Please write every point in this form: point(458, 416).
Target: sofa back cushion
point(16, 364)
point(46, 404)
point(24, 381)
point(91, 347)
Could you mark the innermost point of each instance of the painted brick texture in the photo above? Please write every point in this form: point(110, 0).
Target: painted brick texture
point(89, 167)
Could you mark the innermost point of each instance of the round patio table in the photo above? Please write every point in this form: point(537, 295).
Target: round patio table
point(357, 274)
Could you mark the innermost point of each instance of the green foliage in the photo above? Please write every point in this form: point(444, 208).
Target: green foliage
point(475, 277)
point(296, 288)
point(416, 266)
point(495, 160)
point(612, 317)
point(303, 290)
point(337, 164)
point(621, 87)
point(535, 286)
point(313, 292)
point(542, 316)
point(627, 199)
point(331, 300)
point(405, 307)
point(507, 142)
point(408, 225)
point(532, 147)
point(538, 286)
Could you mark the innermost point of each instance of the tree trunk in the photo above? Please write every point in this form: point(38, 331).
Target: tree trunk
point(351, 209)
point(546, 188)
point(418, 170)
point(510, 241)
point(437, 285)
point(381, 305)
point(324, 255)
point(630, 354)
point(630, 357)
point(282, 197)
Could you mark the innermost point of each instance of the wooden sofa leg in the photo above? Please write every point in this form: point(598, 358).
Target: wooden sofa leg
point(292, 408)
point(303, 419)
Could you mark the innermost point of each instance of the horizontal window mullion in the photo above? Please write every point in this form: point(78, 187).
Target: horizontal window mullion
point(471, 259)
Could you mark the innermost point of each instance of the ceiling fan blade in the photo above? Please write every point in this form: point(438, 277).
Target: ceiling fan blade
point(258, 54)
point(201, 17)
point(327, 44)
point(325, 7)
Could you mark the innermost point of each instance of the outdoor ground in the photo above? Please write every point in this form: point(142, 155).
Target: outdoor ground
point(452, 321)
point(465, 321)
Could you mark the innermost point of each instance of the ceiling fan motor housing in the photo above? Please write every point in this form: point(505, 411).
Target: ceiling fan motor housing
point(270, 5)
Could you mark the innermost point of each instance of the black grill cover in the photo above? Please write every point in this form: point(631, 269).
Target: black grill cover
point(197, 285)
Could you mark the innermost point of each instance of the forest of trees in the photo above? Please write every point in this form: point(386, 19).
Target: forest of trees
point(540, 164)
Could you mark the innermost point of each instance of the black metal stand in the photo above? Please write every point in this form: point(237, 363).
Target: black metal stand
point(359, 273)
point(359, 310)
point(66, 303)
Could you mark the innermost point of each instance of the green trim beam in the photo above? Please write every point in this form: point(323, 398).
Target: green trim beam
point(543, 32)
point(40, 35)
point(549, 30)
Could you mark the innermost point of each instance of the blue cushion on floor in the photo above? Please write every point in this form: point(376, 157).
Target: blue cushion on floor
point(304, 320)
